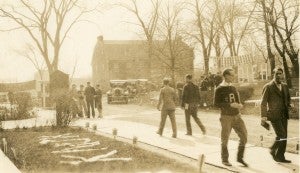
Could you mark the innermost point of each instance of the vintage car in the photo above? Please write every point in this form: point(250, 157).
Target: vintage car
point(131, 88)
point(118, 92)
point(136, 87)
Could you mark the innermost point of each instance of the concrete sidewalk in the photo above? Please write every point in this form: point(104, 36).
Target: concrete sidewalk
point(7, 166)
point(259, 159)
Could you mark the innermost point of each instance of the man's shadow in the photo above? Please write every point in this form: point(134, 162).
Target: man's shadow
point(182, 142)
point(292, 167)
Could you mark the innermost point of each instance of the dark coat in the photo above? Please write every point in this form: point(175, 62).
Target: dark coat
point(89, 92)
point(275, 103)
point(190, 94)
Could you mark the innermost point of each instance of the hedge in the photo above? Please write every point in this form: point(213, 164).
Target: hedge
point(245, 92)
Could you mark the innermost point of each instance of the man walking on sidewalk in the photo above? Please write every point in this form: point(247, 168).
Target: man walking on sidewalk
point(89, 93)
point(190, 103)
point(228, 100)
point(274, 107)
point(168, 100)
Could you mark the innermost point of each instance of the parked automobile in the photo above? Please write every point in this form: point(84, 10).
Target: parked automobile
point(118, 92)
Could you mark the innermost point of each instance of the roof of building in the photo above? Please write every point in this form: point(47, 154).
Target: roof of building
point(15, 87)
point(116, 42)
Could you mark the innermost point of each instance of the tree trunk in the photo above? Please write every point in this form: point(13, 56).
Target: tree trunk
point(218, 51)
point(286, 71)
point(295, 62)
point(150, 49)
point(206, 64)
point(271, 56)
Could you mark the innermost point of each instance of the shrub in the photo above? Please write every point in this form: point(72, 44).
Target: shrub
point(64, 111)
point(21, 109)
point(24, 104)
point(245, 92)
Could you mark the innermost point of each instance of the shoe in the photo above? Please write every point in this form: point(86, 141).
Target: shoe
point(189, 134)
point(272, 152)
point(284, 161)
point(204, 132)
point(242, 162)
point(174, 136)
point(160, 134)
point(226, 163)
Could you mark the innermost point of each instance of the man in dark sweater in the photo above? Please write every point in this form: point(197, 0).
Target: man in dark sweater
point(190, 102)
point(89, 93)
point(227, 99)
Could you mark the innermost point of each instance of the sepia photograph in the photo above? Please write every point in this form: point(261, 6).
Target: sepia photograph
point(149, 86)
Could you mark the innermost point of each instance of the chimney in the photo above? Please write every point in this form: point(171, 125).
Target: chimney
point(100, 38)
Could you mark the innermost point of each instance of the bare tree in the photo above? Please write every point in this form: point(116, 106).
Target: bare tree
point(283, 17)
point(161, 29)
point(205, 31)
point(147, 23)
point(234, 23)
point(171, 47)
point(29, 52)
point(267, 32)
point(47, 22)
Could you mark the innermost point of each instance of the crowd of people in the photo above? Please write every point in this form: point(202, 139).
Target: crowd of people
point(85, 100)
point(274, 108)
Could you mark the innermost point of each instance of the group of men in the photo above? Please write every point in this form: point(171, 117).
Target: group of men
point(274, 107)
point(85, 100)
point(190, 101)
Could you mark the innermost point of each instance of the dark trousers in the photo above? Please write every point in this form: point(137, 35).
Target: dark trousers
point(90, 104)
point(98, 106)
point(164, 114)
point(279, 146)
point(237, 124)
point(192, 111)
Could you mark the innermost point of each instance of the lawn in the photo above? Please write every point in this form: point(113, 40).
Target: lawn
point(74, 150)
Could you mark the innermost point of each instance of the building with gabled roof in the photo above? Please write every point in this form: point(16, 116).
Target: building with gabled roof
point(129, 59)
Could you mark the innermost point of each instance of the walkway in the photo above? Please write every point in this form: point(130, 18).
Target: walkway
point(259, 159)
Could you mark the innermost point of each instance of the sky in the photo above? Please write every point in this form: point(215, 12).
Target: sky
point(77, 50)
point(113, 23)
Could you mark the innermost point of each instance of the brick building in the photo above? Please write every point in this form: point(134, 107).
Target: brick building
point(129, 59)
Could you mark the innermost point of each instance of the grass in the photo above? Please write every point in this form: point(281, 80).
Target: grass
point(34, 157)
